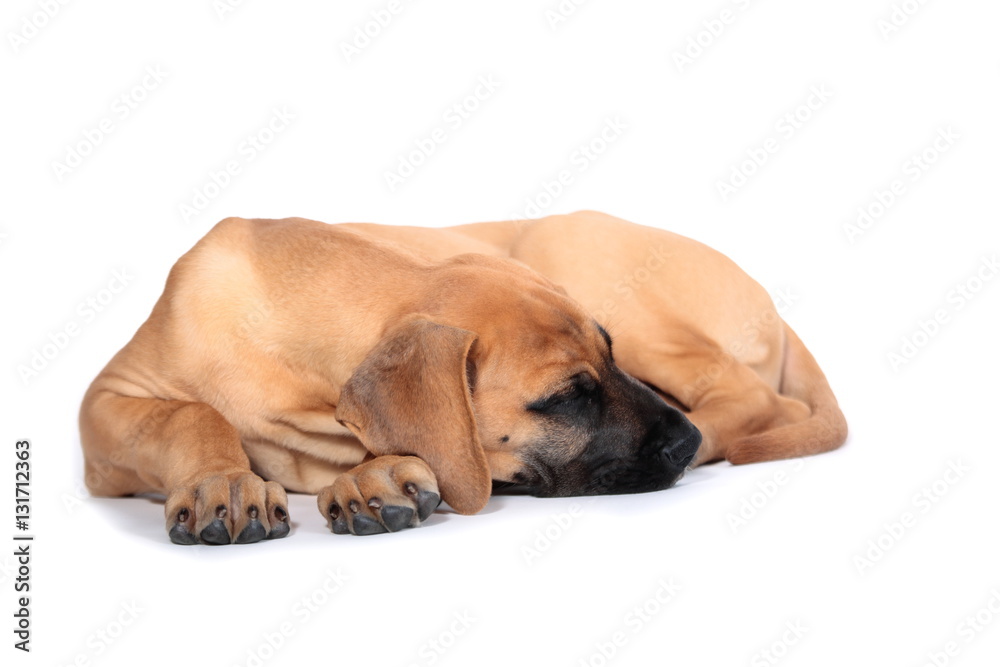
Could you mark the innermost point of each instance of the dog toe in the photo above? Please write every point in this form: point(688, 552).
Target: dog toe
point(278, 530)
point(253, 532)
point(365, 525)
point(215, 533)
point(396, 517)
point(179, 534)
point(180, 519)
point(427, 502)
point(277, 515)
point(337, 520)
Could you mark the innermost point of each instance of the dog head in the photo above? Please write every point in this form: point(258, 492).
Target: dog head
point(501, 376)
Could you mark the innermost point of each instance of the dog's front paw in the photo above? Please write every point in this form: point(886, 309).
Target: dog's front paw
point(386, 494)
point(221, 509)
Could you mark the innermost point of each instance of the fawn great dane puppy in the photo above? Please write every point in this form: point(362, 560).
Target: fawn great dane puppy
point(326, 360)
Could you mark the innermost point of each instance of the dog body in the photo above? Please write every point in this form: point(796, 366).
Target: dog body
point(385, 367)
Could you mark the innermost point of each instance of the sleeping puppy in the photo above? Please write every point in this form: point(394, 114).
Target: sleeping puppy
point(295, 355)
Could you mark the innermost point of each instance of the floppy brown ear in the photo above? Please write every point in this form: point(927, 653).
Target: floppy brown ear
point(411, 395)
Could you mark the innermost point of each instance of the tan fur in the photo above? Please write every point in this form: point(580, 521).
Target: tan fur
point(295, 349)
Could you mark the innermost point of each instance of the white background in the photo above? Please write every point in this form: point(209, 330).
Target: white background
point(795, 560)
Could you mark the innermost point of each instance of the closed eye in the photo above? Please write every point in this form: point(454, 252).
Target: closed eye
point(580, 391)
point(607, 339)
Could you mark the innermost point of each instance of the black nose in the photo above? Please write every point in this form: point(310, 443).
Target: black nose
point(672, 439)
point(679, 452)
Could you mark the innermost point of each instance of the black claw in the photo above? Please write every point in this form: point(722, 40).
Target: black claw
point(215, 533)
point(364, 525)
point(254, 532)
point(179, 534)
point(278, 530)
point(427, 502)
point(396, 517)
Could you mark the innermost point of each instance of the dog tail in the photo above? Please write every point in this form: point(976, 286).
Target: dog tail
point(825, 429)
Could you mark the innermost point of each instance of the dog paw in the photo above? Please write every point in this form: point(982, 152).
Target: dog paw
point(386, 494)
point(236, 508)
